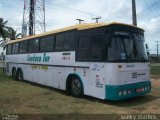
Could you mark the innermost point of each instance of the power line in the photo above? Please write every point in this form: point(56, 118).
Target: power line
point(66, 11)
point(151, 10)
point(149, 7)
point(61, 6)
point(145, 9)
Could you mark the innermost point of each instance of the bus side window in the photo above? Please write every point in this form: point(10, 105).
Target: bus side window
point(33, 45)
point(69, 41)
point(47, 43)
point(23, 46)
point(9, 49)
point(15, 48)
point(83, 52)
point(59, 42)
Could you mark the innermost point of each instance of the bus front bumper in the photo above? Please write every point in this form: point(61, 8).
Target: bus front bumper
point(122, 92)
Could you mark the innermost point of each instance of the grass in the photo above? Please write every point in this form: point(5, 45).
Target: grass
point(155, 71)
point(26, 98)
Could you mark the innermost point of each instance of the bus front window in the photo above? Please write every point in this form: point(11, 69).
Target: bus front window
point(127, 49)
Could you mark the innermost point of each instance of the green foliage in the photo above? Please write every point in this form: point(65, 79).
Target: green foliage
point(7, 33)
point(3, 28)
point(12, 34)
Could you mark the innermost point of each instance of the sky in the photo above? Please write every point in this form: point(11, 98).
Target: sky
point(62, 13)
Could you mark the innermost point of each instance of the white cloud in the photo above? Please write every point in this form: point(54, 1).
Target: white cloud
point(152, 30)
point(109, 10)
point(153, 26)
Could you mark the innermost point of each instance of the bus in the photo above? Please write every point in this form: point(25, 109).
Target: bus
point(105, 61)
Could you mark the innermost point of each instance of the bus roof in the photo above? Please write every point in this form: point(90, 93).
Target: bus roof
point(74, 27)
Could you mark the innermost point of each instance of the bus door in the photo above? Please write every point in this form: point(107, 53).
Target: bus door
point(97, 80)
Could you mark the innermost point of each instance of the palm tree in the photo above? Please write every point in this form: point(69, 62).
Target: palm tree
point(3, 32)
point(7, 33)
point(12, 34)
point(3, 28)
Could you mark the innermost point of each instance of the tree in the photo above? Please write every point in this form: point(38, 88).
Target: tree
point(3, 28)
point(3, 32)
point(12, 34)
point(7, 33)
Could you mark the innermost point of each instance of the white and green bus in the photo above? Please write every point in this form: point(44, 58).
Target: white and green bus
point(106, 61)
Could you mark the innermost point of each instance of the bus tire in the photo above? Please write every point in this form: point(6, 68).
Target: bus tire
point(76, 87)
point(19, 74)
point(14, 73)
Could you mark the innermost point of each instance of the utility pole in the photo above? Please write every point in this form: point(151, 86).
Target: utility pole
point(97, 18)
point(33, 17)
point(147, 48)
point(80, 20)
point(134, 15)
point(157, 50)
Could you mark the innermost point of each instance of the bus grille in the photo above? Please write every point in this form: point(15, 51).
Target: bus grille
point(131, 76)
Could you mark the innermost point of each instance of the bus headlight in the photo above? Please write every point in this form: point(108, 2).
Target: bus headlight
point(124, 92)
point(120, 93)
point(145, 88)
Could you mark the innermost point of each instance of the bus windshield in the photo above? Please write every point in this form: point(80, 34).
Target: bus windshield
point(127, 48)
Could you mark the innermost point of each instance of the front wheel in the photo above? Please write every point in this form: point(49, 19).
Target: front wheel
point(76, 87)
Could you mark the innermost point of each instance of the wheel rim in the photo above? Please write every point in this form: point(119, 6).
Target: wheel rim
point(76, 86)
